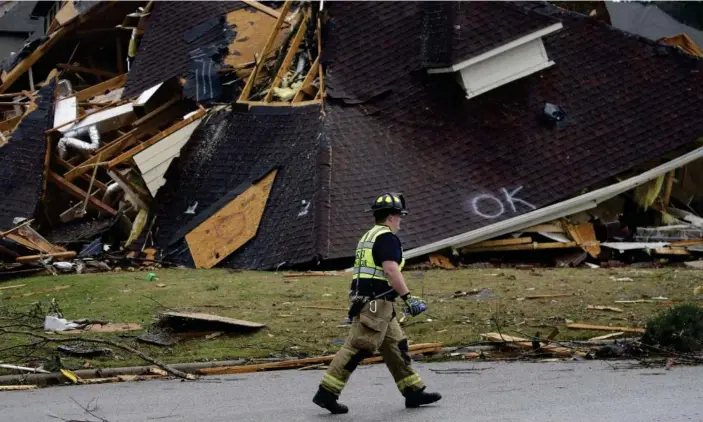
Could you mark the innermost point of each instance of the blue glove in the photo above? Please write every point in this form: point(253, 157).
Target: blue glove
point(414, 305)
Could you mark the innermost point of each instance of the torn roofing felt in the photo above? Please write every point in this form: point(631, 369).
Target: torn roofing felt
point(463, 164)
point(231, 151)
point(175, 30)
point(22, 158)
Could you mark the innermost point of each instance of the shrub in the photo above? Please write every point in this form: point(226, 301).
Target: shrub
point(680, 328)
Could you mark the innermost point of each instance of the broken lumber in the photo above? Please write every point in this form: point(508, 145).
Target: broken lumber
point(527, 247)
point(604, 328)
point(585, 236)
point(80, 193)
point(526, 344)
point(550, 296)
point(671, 251)
point(81, 69)
point(16, 286)
point(606, 337)
point(100, 89)
point(603, 308)
point(500, 242)
point(312, 274)
point(17, 387)
point(297, 363)
point(35, 258)
point(24, 369)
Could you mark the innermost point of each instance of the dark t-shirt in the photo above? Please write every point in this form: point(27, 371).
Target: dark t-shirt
point(387, 248)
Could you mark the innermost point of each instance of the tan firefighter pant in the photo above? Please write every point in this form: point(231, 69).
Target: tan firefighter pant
point(375, 328)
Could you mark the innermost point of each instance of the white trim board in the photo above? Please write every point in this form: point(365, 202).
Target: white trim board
point(562, 209)
point(499, 50)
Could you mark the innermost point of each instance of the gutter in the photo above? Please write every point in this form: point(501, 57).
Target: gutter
point(562, 209)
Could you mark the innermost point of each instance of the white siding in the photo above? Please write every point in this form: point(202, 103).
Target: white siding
point(154, 161)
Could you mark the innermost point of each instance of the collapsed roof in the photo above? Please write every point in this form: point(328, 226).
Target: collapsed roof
point(597, 103)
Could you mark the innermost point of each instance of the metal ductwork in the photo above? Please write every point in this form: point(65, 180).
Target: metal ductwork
point(72, 140)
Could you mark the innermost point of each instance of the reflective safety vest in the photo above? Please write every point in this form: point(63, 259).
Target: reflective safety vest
point(364, 265)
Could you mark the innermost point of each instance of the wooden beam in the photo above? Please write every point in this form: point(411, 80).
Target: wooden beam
point(24, 242)
point(307, 82)
point(80, 193)
point(68, 166)
point(99, 89)
point(47, 163)
point(321, 91)
point(297, 363)
point(605, 328)
point(35, 258)
point(500, 242)
point(295, 43)
point(546, 228)
point(671, 251)
point(81, 69)
point(154, 139)
point(269, 11)
point(533, 246)
point(264, 52)
point(30, 60)
point(156, 111)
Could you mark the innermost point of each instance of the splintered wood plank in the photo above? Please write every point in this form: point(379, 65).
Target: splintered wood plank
point(252, 30)
point(501, 242)
point(546, 228)
point(34, 258)
point(526, 344)
point(604, 328)
point(30, 234)
point(80, 193)
point(297, 363)
point(527, 247)
point(230, 227)
point(265, 51)
point(154, 139)
point(100, 89)
point(585, 236)
point(292, 50)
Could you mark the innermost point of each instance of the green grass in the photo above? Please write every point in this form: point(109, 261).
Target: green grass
point(277, 301)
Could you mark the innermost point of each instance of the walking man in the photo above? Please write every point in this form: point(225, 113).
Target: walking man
point(376, 283)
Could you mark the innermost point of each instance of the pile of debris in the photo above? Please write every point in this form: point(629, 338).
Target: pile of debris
point(235, 134)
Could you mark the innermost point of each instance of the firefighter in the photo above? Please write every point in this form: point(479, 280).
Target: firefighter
point(376, 283)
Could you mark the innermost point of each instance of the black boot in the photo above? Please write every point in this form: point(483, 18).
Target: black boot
point(327, 400)
point(418, 398)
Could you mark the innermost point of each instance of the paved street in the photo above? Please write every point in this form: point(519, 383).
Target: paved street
point(583, 391)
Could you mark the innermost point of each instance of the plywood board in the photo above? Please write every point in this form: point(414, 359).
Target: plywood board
point(252, 31)
point(585, 236)
point(230, 227)
point(213, 318)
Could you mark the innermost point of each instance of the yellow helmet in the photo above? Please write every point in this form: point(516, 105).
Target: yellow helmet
point(389, 201)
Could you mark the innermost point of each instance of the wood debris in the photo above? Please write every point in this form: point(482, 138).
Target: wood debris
point(526, 344)
point(605, 328)
point(603, 308)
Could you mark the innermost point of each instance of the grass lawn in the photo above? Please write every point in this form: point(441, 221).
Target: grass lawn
point(292, 329)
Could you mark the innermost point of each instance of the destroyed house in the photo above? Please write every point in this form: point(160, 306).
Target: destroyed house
point(255, 134)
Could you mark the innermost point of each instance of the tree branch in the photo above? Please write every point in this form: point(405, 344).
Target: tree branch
point(165, 367)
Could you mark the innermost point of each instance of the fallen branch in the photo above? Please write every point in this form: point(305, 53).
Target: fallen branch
point(167, 368)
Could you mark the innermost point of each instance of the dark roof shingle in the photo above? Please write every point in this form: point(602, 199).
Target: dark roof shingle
point(22, 169)
point(163, 51)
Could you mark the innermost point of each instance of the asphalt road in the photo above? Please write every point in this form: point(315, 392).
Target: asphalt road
point(578, 391)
